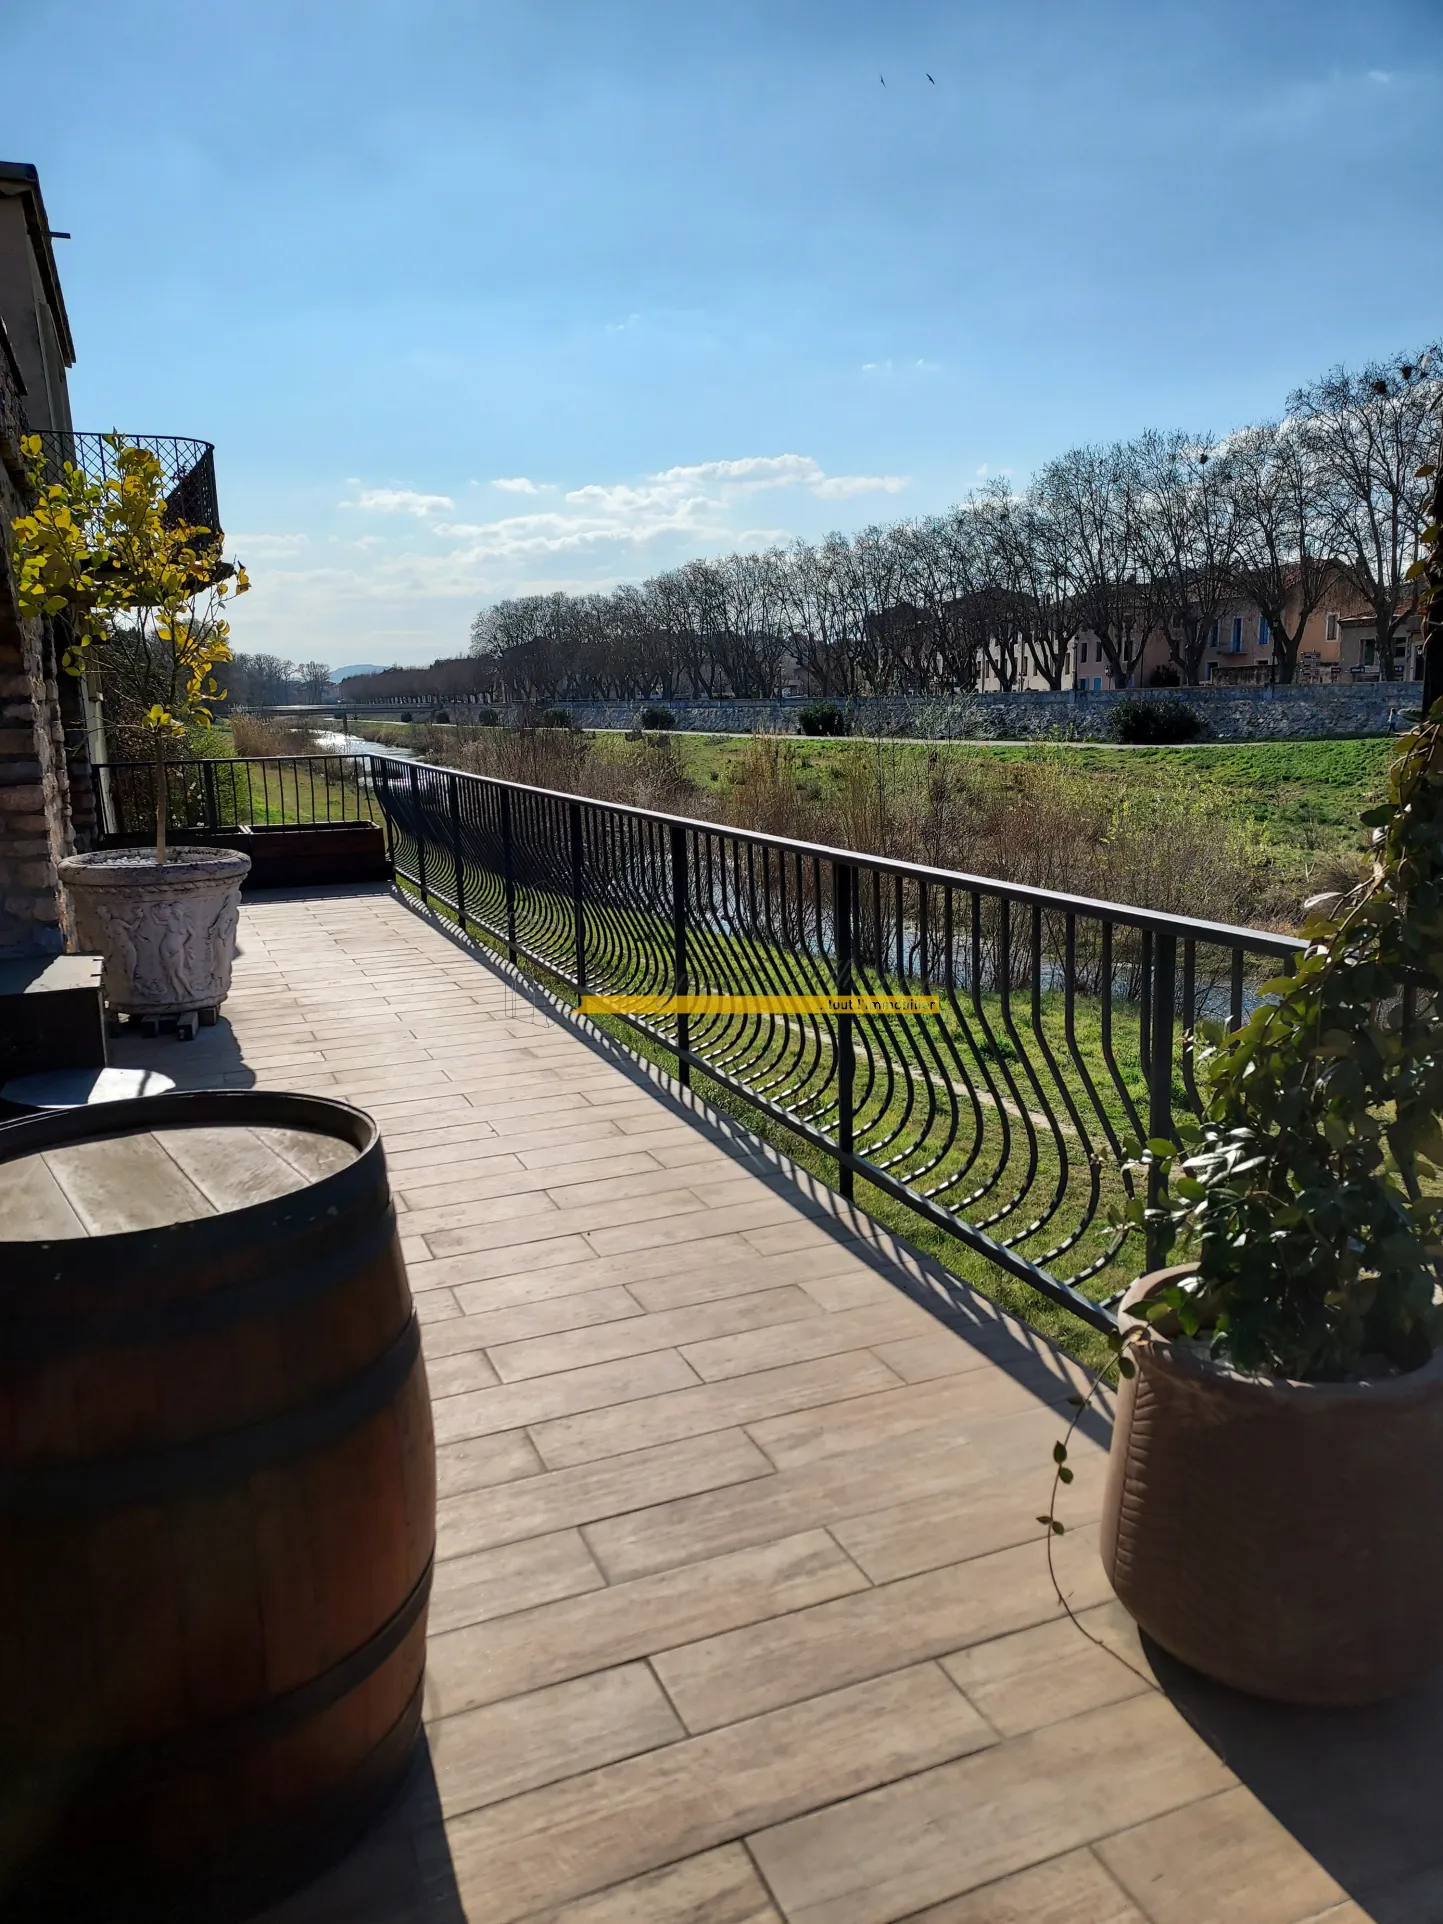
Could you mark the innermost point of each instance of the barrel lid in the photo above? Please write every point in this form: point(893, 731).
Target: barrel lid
point(159, 1161)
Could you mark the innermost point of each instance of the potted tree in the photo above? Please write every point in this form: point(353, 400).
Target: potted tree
point(1271, 1514)
point(94, 554)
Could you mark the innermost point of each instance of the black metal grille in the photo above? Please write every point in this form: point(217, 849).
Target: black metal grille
point(1064, 1028)
point(188, 469)
point(303, 791)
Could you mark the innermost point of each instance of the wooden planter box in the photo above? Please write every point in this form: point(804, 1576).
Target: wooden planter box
point(305, 857)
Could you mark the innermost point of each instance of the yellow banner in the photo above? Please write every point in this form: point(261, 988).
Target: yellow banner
point(761, 1005)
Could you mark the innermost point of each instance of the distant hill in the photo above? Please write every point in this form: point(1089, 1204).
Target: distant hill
point(356, 668)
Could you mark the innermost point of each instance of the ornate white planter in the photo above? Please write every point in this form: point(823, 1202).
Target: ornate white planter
point(167, 932)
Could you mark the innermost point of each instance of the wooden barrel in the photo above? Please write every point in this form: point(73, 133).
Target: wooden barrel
point(217, 1502)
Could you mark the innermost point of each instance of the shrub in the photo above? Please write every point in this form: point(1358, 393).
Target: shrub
point(405, 715)
point(1141, 722)
point(656, 718)
point(487, 718)
point(554, 718)
point(266, 735)
point(441, 715)
point(823, 718)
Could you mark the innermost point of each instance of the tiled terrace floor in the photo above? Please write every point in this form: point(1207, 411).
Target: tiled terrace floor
point(741, 1612)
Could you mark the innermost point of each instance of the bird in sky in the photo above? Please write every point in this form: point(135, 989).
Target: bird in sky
point(934, 83)
point(882, 79)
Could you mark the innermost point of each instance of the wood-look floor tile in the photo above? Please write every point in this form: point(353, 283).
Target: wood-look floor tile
point(560, 1499)
point(822, 1335)
point(592, 1831)
point(478, 1462)
point(1219, 1862)
point(1054, 1670)
point(755, 1667)
point(542, 1399)
point(826, 1492)
point(666, 1329)
point(500, 1750)
point(517, 1322)
point(1074, 1889)
point(715, 1887)
point(891, 1852)
point(710, 1406)
point(516, 1576)
point(606, 1627)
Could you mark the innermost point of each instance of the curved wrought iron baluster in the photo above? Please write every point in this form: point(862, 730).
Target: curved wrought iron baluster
point(1099, 1110)
point(1189, 1021)
point(1109, 1052)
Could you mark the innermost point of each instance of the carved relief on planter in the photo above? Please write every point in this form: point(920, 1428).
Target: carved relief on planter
point(167, 932)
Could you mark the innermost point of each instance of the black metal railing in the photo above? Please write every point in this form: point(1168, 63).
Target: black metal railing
point(1063, 1027)
point(187, 467)
point(257, 791)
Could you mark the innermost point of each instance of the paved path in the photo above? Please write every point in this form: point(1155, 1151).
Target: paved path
point(741, 1611)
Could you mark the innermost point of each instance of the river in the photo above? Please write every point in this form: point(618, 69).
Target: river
point(333, 742)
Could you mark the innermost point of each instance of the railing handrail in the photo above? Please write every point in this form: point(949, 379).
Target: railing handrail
point(1064, 1031)
point(1224, 934)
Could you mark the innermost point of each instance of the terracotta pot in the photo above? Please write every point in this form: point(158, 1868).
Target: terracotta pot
point(167, 931)
point(1280, 1537)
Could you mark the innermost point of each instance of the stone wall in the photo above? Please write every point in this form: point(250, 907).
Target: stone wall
point(1227, 714)
point(35, 824)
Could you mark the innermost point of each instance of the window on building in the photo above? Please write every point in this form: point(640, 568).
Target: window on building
point(1213, 636)
point(1237, 642)
point(1331, 628)
point(1082, 651)
point(1264, 632)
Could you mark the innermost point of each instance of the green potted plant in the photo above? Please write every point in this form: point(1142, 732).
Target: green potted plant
point(93, 555)
point(1271, 1514)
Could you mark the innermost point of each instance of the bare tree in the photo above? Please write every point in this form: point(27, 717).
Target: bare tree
point(1095, 498)
point(314, 678)
point(1189, 529)
point(1373, 429)
point(1283, 562)
point(1040, 562)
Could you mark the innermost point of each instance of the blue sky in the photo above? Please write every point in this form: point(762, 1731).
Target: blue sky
point(477, 298)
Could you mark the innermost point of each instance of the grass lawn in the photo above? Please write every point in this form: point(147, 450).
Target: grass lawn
point(1302, 797)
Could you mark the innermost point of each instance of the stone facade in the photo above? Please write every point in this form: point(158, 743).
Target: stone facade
point(36, 745)
point(1227, 714)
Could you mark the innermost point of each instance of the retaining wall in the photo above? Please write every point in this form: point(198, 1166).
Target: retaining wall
point(1230, 714)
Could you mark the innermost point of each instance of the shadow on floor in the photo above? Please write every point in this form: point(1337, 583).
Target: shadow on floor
point(1031, 1359)
point(212, 1061)
point(400, 1873)
point(1359, 1789)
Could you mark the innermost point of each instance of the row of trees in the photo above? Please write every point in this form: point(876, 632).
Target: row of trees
point(1154, 537)
point(267, 681)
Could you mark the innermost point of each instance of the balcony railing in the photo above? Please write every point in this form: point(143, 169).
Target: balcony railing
point(187, 467)
point(1058, 1028)
point(280, 791)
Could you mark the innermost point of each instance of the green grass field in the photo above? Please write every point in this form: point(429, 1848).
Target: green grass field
point(1302, 797)
point(1299, 799)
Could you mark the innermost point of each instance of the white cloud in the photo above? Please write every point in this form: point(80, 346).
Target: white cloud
point(398, 501)
point(890, 369)
point(695, 504)
point(268, 547)
point(840, 487)
point(428, 570)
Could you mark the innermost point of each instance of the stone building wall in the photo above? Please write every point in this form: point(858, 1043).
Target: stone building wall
point(1227, 714)
point(35, 822)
